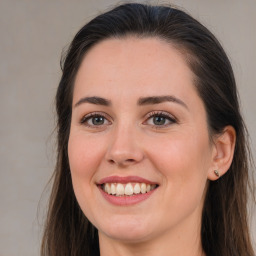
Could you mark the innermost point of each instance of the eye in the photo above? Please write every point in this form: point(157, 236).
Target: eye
point(95, 120)
point(160, 119)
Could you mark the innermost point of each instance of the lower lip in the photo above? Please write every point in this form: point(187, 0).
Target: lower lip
point(126, 200)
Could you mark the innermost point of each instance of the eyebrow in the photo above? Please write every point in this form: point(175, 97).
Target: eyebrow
point(141, 102)
point(94, 100)
point(160, 99)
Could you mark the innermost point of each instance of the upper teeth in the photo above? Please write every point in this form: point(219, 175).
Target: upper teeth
point(128, 189)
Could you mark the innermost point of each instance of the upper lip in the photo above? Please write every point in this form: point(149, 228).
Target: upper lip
point(127, 179)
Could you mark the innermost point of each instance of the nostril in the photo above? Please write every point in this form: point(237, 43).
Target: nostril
point(123, 162)
point(130, 160)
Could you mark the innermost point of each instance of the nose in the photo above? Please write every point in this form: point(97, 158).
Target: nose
point(124, 149)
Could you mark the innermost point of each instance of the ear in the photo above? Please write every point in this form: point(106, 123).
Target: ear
point(223, 152)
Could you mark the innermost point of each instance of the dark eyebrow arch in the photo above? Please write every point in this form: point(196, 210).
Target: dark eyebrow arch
point(93, 100)
point(160, 99)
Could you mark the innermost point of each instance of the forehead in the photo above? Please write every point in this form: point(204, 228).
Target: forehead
point(133, 65)
point(118, 52)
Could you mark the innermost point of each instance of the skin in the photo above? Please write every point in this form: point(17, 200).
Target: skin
point(179, 155)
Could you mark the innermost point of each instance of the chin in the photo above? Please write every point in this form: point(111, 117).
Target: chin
point(129, 236)
point(128, 230)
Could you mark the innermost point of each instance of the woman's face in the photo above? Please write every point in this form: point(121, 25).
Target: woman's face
point(139, 148)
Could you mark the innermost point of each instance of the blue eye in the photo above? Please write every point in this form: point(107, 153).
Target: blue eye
point(94, 120)
point(98, 120)
point(160, 119)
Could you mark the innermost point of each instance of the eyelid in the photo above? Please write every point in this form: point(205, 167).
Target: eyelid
point(94, 114)
point(149, 115)
point(162, 113)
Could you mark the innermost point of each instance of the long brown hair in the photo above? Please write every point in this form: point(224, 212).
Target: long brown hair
point(224, 228)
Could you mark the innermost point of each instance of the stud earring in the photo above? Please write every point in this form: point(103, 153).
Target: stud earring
point(217, 173)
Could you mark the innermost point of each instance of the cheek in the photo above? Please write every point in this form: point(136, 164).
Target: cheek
point(84, 159)
point(180, 150)
point(84, 155)
point(183, 160)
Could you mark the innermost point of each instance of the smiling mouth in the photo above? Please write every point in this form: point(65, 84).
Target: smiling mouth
point(128, 189)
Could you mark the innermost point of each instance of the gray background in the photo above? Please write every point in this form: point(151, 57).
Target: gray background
point(32, 36)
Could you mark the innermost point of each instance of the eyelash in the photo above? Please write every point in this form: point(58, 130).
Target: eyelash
point(86, 118)
point(162, 114)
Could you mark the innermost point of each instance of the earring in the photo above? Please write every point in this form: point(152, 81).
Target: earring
point(217, 173)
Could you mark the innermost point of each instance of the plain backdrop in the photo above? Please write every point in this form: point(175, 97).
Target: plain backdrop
point(32, 36)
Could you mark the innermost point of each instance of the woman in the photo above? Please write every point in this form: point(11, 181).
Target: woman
point(152, 154)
